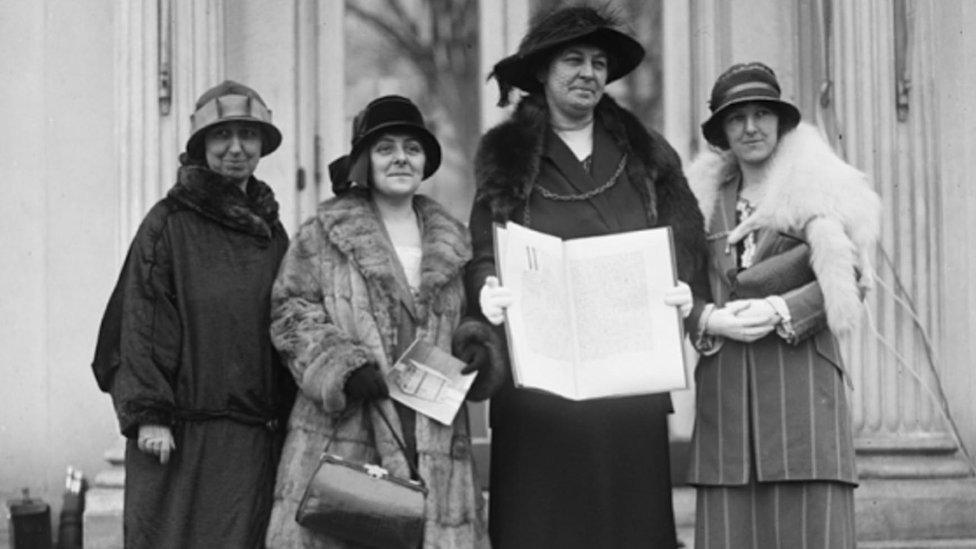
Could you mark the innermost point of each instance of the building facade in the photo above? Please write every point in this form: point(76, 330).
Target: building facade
point(99, 95)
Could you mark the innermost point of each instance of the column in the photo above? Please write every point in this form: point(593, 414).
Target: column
point(167, 53)
point(916, 485)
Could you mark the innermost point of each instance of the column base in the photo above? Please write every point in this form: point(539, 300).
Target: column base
point(104, 502)
point(916, 513)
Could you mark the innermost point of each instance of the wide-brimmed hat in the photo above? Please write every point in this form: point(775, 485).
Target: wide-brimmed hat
point(390, 113)
point(743, 83)
point(226, 102)
point(552, 31)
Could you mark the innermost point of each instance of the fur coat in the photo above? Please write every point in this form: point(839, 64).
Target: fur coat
point(810, 191)
point(335, 306)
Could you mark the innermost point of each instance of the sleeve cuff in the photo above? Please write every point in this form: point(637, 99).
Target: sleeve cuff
point(705, 343)
point(785, 328)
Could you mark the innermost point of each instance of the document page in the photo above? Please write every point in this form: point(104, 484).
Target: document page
point(630, 342)
point(589, 319)
point(538, 323)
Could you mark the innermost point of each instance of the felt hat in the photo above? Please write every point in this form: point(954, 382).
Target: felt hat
point(226, 102)
point(390, 113)
point(558, 29)
point(743, 83)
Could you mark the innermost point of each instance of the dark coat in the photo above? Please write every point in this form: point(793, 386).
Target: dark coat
point(775, 409)
point(592, 473)
point(184, 343)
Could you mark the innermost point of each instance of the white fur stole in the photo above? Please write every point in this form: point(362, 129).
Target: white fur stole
point(811, 190)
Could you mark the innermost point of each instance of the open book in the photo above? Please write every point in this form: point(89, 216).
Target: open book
point(429, 381)
point(589, 319)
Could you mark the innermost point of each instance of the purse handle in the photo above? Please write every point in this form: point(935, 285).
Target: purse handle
point(396, 437)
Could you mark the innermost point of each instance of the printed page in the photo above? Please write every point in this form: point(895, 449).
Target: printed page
point(428, 380)
point(629, 340)
point(539, 323)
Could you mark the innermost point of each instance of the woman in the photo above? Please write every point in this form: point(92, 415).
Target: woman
point(377, 267)
point(772, 454)
point(184, 346)
point(572, 163)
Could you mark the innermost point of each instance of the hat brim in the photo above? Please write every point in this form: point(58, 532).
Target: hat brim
point(714, 132)
point(270, 136)
point(522, 69)
point(432, 148)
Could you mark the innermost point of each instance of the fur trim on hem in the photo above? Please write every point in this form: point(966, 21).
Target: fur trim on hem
point(813, 191)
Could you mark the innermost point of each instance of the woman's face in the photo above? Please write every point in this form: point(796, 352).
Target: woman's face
point(752, 130)
point(233, 149)
point(396, 165)
point(575, 79)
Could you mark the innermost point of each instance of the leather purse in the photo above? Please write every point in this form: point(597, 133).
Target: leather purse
point(364, 503)
point(774, 275)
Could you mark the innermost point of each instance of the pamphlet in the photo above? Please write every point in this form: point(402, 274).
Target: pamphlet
point(429, 380)
point(589, 320)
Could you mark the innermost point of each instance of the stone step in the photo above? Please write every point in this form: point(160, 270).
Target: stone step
point(113, 477)
point(103, 518)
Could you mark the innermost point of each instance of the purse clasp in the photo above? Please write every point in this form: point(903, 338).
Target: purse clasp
point(375, 471)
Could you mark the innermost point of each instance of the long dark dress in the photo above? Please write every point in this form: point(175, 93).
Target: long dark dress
point(184, 343)
point(576, 474)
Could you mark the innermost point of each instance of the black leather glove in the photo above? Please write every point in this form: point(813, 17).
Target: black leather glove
point(476, 357)
point(366, 383)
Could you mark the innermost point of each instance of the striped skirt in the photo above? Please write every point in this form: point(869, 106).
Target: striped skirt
point(787, 515)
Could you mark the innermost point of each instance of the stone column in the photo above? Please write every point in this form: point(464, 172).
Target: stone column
point(916, 485)
point(166, 53)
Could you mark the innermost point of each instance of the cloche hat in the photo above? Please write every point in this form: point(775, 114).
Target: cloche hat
point(389, 113)
point(742, 83)
point(226, 102)
point(557, 29)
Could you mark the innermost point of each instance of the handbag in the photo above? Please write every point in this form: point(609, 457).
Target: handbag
point(774, 275)
point(364, 503)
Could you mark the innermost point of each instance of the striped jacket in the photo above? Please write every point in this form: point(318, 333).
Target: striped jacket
point(775, 409)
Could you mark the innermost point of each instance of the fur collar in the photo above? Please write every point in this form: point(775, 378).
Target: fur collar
point(212, 196)
point(811, 191)
point(508, 160)
point(354, 228)
point(509, 157)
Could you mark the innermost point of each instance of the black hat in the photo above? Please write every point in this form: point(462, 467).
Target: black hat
point(385, 114)
point(742, 83)
point(226, 102)
point(555, 30)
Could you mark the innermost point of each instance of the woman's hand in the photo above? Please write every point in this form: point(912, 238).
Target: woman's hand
point(759, 309)
point(744, 320)
point(156, 440)
point(494, 300)
point(680, 297)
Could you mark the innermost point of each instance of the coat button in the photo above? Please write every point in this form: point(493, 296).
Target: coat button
point(460, 448)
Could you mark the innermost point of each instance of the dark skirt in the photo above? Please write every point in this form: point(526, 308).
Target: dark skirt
point(215, 492)
point(588, 474)
point(773, 515)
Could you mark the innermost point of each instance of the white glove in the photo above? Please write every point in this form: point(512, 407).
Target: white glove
point(680, 297)
point(494, 300)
